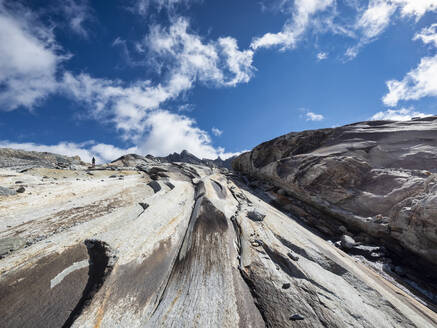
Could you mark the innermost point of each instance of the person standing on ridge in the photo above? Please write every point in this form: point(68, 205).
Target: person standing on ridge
point(93, 162)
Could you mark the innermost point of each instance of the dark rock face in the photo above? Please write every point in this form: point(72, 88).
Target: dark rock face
point(377, 177)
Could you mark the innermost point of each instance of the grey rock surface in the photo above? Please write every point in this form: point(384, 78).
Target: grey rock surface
point(94, 257)
point(21, 160)
point(378, 178)
point(6, 191)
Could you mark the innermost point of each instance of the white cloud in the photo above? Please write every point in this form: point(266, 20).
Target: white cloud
point(310, 116)
point(415, 8)
point(371, 24)
point(418, 83)
point(127, 106)
point(322, 56)
point(109, 153)
point(403, 114)
point(169, 132)
point(428, 35)
point(86, 150)
point(135, 108)
point(28, 59)
point(28, 68)
point(376, 18)
point(216, 132)
point(292, 31)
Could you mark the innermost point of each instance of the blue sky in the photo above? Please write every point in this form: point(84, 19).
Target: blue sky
point(105, 78)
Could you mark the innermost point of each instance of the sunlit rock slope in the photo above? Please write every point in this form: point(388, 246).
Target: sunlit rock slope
point(137, 243)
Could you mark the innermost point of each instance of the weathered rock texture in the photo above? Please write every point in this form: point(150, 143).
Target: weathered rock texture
point(81, 249)
point(377, 178)
point(20, 159)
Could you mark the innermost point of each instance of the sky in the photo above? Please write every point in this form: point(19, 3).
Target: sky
point(106, 78)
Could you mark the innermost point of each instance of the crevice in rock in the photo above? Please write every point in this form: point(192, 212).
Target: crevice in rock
point(155, 186)
point(246, 278)
point(198, 196)
point(220, 191)
point(101, 262)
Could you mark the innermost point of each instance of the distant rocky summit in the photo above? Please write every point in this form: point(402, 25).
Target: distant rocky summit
point(309, 231)
point(187, 157)
point(184, 157)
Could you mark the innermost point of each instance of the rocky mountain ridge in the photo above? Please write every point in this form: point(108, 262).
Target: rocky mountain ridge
point(186, 157)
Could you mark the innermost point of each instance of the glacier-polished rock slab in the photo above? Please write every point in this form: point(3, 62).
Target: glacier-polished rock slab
point(92, 255)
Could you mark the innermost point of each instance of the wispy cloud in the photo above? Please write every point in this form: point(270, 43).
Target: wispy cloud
point(216, 132)
point(186, 108)
point(143, 7)
point(379, 14)
point(428, 35)
point(322, 56)
point(77, 13)
point(295, 27)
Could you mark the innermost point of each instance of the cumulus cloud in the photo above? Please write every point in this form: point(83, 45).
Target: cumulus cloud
point(310, 116)
point(136, 108)
point(419, 82)
point(403, 114)
point(86, 150)
point(170, 132)
point(216, 132)
point(295, 27)
point(29, 58)
point(29, 61)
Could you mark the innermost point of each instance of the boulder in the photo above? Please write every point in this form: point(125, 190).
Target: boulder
point(256, 215)
point(347, 242)
point(377, 177)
